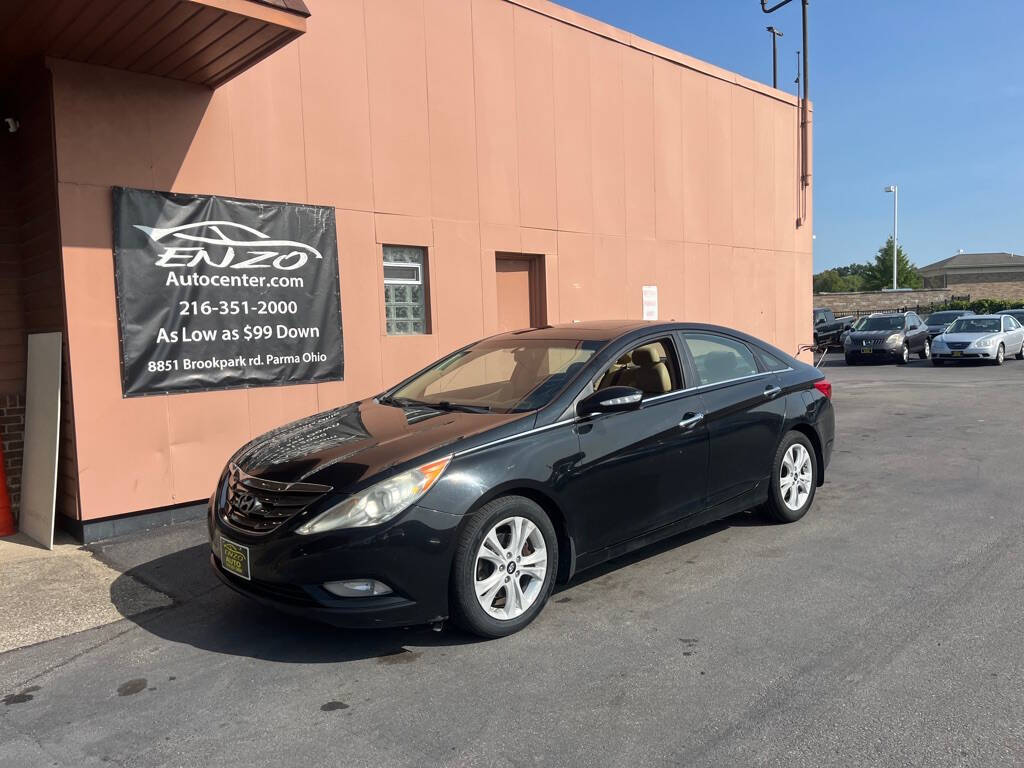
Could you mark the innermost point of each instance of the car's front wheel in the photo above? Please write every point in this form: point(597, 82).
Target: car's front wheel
point(903, 356)
point(794, 479)
point(1020, 355)
point(1000, 355)
point(505, 565)
point(926, 352)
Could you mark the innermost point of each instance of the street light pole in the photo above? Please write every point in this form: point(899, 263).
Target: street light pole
point(776, 34)
point(895, 231)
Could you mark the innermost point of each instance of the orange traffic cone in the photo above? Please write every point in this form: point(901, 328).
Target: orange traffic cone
point(7, 526)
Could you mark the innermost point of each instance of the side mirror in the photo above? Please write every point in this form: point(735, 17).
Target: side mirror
point(610, 400)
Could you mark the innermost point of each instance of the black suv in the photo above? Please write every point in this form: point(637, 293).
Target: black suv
point(888, 336)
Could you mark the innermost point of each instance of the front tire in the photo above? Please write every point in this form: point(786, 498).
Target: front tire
point(926, 353)
point(794, 479)
point(904, 355)
point(851, 360)
point(1000, 355)
point(1020, 355)
point(505, 565)
point(936, 362)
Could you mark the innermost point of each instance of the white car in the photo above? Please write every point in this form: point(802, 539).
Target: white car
point(981, 337)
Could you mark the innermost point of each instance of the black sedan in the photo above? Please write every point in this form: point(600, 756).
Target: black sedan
point(938, 322)
point(468, 490)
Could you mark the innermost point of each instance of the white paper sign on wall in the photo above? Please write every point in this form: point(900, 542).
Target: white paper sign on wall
point(650, 301)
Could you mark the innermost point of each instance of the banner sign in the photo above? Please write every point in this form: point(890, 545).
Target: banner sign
point(216, 293)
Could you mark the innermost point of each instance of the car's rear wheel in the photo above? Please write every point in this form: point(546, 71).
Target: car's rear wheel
point(505, 566)
point(1000, 355)
point(927, 351)
point(904, 354)
point(794, 479)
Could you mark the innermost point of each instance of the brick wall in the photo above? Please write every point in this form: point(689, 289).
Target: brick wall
point(12, 436)
point(859, 302)
point(980, 286)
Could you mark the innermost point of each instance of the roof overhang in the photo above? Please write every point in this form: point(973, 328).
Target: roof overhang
point(200, 41)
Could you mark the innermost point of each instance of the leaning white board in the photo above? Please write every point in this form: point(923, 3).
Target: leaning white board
point(42, 438)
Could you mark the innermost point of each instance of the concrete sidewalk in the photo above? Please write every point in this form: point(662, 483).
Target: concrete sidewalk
point(49, 594)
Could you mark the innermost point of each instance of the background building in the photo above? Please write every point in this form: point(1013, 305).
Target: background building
point(979, 275)
point(539, 165)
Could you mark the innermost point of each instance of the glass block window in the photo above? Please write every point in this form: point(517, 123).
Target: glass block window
point(405, 290)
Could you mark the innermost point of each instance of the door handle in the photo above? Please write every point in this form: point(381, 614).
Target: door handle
point(771, 391)
point(691, 420)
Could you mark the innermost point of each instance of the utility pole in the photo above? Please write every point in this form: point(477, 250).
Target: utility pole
point(895, 231)
point(776, 34)
point(805, 113)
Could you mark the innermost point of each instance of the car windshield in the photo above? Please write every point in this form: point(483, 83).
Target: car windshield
point(941, 318)
point(503, 375)
point(976, 325)
point(884, 323)
point(858, 324)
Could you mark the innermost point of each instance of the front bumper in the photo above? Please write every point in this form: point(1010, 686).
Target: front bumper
point(970, 353)
point(869, 353)
point(412, 554)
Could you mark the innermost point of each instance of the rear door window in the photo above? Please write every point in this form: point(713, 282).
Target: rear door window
point(719, 358)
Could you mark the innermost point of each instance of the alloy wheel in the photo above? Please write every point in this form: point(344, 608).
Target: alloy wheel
point(906, 353)
point(510, 567)
point(1000, 354)
point(796, 476)
point(927, 349)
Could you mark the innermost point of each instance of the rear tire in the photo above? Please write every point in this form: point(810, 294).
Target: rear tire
point(475, 564)
point(794, 479)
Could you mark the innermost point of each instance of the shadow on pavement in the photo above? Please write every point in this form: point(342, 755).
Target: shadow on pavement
point(213, 618)
point(209, 616)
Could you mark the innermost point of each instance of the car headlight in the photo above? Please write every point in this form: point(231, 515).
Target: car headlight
point(380, 502)
point(893, 339)
point(983, 343)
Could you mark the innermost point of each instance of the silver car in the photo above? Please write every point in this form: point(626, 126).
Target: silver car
point(982, 337)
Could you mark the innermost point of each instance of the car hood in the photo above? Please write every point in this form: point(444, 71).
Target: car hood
point(861, 335)
point(968, 337)
point(938, 328)
point(343, 446)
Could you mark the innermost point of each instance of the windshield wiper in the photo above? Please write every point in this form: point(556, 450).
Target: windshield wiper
point(448, 406)
point(404, 402)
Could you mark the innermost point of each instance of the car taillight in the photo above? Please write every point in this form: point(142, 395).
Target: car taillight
point(825, 387)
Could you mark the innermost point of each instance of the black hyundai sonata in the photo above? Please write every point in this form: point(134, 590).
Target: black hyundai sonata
point(469, 489)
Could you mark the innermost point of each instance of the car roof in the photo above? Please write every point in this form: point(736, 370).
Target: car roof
point(609, 330)
point(1019, 310)
point(995, 316)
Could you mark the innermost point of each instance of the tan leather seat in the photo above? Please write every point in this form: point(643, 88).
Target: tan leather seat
point(613, 376)
point(650, 375)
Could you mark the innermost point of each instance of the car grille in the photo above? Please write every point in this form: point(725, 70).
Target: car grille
point(958, 344)
point(260, 506)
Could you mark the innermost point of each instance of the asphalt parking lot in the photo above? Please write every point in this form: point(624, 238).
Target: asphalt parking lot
point(886, 628)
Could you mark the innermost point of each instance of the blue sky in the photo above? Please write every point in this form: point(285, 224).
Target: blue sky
point(926, 95)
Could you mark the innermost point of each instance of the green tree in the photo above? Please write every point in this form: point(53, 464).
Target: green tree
point(837, 280)
point(879, 274)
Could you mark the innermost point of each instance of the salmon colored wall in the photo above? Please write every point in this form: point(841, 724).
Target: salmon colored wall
point(467, 126)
